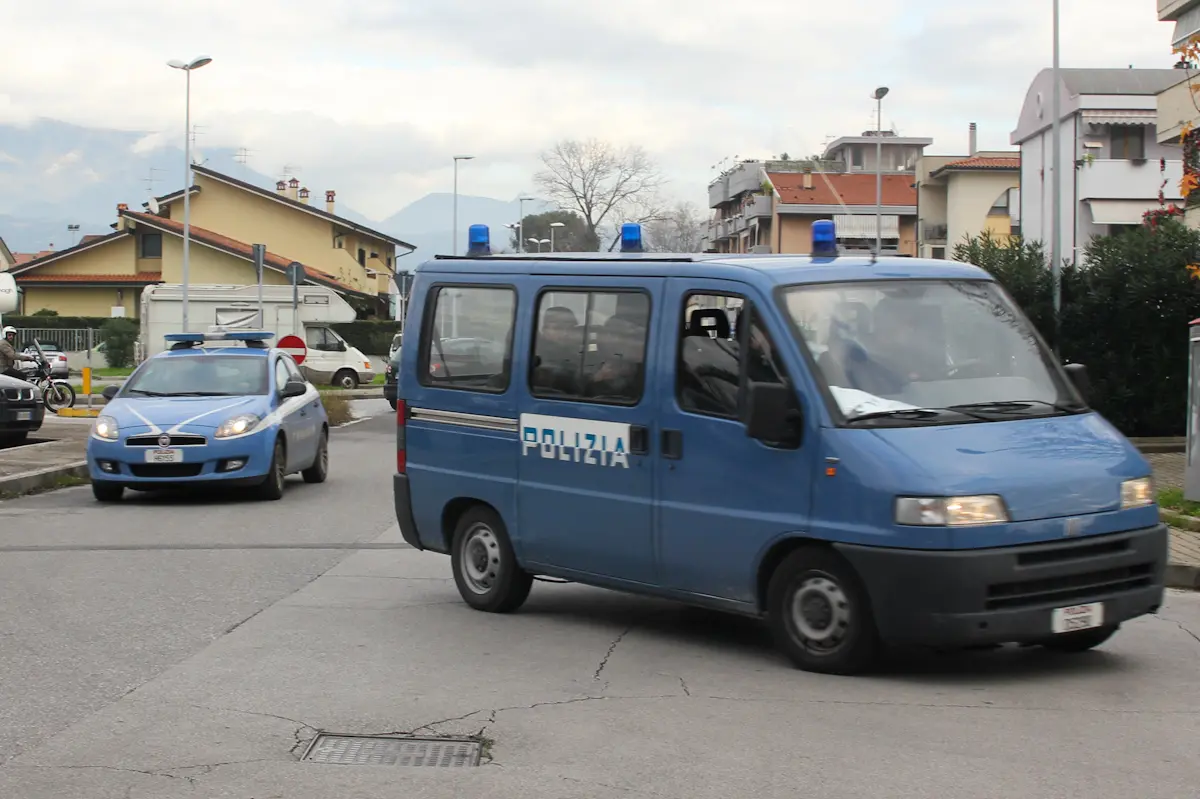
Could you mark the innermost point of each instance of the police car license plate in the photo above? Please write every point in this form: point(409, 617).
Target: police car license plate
point(164, 456)
point(24, 416)
point(1078, 617)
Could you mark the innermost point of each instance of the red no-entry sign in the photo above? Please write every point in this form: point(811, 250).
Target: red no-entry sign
point(294, 346)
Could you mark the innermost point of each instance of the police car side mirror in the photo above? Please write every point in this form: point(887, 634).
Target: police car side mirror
point(110, 392)
point(772, 415)
point(294, 388)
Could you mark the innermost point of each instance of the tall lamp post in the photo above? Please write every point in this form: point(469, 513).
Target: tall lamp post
point(187, 67)
point(880, 93)
point(538, 242)
point(553, 227)
point(1056, 186)
point(457, 158)
point(521, 222)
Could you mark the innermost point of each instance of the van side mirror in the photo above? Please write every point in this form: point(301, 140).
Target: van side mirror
point(772, 415)
point(110, 392)
point(294, 388)
point(1077, 372)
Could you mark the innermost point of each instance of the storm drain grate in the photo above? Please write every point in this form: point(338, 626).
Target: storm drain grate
point(393, 750)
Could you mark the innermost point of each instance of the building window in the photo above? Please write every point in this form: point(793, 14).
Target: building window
point(362, 257)
point(590, 346)
point(151, 245)
point(1128, 142)
point(856, 157)
point(939, 253)
point(467, 342)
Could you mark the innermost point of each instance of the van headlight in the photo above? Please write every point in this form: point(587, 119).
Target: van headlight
point(236, 426)
point(1137, 493)
point(106, 428)
point(950, 511)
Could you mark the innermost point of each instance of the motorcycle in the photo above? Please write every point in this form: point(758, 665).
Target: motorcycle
point(56, 393)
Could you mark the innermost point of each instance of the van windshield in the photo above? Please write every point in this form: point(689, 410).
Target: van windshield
point(904, 352)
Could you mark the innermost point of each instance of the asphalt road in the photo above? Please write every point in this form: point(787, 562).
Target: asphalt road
point(184, 673)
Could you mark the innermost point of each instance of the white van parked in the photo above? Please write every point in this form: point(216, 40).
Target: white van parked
point(329, 360)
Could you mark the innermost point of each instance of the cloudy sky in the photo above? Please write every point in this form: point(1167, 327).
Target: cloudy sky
point(382, 93)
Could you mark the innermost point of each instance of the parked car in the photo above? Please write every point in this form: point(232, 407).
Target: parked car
point(21, 410)
point(389, 378)
point(394, 348)
point(59, 367)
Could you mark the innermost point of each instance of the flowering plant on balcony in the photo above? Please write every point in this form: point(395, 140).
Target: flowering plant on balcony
point(1189, 137)
point(1152, 219)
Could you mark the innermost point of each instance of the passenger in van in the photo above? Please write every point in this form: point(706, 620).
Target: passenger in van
point(559, 350)
point(619, 350)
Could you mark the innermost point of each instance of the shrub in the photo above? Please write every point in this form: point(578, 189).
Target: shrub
point(119, 336)
point(372, 337)
point(336, 408)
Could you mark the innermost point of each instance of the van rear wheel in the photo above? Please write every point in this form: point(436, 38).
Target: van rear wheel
point(820, 615)
point(485, 568)
point(345, 379)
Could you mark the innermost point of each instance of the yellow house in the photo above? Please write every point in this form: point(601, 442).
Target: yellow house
point(7, 259)
point(286, 222)
point(105, 275)
point(963, 196)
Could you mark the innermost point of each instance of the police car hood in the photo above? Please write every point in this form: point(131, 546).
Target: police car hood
point(179, 414)
point(1044, 468)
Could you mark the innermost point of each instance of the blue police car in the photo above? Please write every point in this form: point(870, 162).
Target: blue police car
point(208, 411)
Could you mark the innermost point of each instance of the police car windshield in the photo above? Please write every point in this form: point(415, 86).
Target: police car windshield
point(959, 347)
point(199, 376)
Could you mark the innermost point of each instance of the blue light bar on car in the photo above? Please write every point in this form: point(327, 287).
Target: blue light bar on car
point(824, 238)
point(221, 335)
point(631, 237)
point(479, 240)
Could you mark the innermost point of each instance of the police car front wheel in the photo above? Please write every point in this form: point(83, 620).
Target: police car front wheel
point(485, 567)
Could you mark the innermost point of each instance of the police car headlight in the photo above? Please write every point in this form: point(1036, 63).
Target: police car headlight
point(950, 511)
point(105, 427)
point(1137, 493)
point(242, 423)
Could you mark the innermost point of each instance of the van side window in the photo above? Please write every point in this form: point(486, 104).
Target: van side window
point(714, 354)
point(467, 339)
point(590, 346)
point(319, 339)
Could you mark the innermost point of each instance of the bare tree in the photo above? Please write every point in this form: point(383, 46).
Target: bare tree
point(606, 184)
point(680, 229)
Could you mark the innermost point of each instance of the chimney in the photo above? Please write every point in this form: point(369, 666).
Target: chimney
point(972, 140)
point(304, 195)
point(808, 184)
point(329, 200)
point(294, 189)
point(281, 187)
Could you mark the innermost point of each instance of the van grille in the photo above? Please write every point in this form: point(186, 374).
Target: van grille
point(1067, 588)
point(176, 441)
point(1078, 551)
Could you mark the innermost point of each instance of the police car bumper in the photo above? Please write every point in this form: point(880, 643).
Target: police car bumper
point(1009, 594)
point(240, 460)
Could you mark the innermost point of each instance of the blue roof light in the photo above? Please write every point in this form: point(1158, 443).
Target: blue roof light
point(824, 238)
point(631, 237)
point(218, 333)
point(479, 240)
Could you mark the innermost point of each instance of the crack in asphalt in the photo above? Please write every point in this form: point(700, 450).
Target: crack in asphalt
point(686, 691)
point(1180, 625)
point(611, 648)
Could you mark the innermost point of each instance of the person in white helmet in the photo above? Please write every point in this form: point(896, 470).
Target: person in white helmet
point(9, 357)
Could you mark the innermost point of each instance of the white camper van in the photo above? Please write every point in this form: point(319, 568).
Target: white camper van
point(329, 359)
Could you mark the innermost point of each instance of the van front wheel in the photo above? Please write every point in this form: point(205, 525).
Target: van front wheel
point(485, 567)
point(820, 615)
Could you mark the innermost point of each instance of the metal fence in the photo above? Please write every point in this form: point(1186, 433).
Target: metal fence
point(67, 340)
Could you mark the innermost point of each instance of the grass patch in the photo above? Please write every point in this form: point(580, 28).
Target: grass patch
point(62, 481)
point(337, 409)
point(109, 371)
point(1172, 499)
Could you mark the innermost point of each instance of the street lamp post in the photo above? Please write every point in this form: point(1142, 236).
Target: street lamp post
point(1056, 186)
point(187, 67)
point(554, 226)
point(457, 158)
point(880, 93)
point(521, 222)
point(538, 242)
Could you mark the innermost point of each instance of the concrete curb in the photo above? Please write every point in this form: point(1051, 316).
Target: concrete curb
point(1179, 520)
point(1185, 577)
point(48, 477)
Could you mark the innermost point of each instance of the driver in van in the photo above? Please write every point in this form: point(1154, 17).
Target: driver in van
point(10, 357)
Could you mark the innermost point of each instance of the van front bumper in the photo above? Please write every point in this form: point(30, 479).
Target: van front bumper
point(1008, 594)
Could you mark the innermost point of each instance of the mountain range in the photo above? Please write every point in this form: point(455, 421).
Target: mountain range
point(56, 174)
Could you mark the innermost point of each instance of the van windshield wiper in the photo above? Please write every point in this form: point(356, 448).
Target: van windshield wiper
point(912, 414)
point(1014, 406)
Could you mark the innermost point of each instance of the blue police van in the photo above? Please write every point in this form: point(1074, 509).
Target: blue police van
point(863, 451)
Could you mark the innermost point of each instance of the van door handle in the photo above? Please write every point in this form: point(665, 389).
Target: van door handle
point(639, 440)
point(672, 444)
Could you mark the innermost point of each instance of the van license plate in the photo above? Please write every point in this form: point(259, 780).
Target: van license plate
point(1078, 617)
point(24, 416)
point(164, 456)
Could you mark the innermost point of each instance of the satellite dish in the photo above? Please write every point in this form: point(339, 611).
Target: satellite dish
point(153, 205)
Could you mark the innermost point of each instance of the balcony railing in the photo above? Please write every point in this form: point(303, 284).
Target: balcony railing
point(759, 206)
point(1109, 179)
point(936, 232)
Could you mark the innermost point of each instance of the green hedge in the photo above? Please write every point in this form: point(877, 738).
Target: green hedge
point(1125, 314)
point(372, 337)
point(55, 322)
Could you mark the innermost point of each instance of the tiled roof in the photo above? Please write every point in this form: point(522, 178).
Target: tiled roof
point(980, 162)
point(854, 189)
point(22, 258)
point(233, 246)
point(140, 277)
